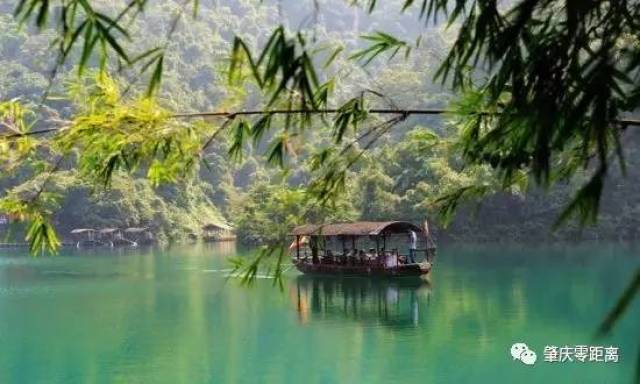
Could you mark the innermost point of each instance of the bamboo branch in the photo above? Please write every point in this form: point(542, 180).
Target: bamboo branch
point(311, 111)
point(30, 133)
point(328, 111)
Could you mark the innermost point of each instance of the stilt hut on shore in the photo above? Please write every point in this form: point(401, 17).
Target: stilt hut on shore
point(115, 238)
point(141, 235)
point(217, 232)
point(85, 237)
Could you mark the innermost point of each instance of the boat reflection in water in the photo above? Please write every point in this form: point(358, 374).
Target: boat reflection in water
point(375, 302)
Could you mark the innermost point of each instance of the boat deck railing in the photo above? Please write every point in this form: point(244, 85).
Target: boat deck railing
point(388, 258)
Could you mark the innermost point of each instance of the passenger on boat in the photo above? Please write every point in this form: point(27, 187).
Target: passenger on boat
point(313, 243)
point(390, 260)
point(343, 257)
point(380, 257)
point(328, 259)
point(362, 257)
point(412, 246)
point(368, 256)
point(355, 255)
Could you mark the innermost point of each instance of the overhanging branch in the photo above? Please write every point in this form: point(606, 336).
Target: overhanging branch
point(257, 112)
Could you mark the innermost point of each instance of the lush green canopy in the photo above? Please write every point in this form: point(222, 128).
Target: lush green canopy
point(544, 93)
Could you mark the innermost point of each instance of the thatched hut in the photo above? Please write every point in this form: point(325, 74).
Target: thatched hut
point(85, 237)
point(217, 232)
point(141, 235)
point(115, 237)
point(87, 233)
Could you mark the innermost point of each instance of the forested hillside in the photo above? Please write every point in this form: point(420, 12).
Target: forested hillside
point(402, 177)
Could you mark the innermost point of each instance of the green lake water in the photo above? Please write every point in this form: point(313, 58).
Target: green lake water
point(151, 316)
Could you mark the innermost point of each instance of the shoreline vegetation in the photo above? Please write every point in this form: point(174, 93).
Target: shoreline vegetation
point(401, 177)
point(104, 122)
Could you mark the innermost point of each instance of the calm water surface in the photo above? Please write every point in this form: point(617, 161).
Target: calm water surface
point(151, 316)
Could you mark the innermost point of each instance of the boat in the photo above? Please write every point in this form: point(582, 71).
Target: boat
point(364, 248)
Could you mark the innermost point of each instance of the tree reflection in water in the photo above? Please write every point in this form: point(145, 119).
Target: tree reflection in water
point(395, 303)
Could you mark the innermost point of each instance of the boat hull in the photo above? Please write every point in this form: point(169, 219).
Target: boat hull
point(417, 269)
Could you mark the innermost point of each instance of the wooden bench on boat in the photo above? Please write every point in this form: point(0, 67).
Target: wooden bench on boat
point(364, 248)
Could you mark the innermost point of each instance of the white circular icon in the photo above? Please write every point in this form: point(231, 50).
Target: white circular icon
point(517, 349)
point(528, 357)
point(520, 351)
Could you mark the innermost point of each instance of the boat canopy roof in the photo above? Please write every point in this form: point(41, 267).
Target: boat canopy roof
point(358, 228)
point(82, 230)
point(108, 230)
point(136, 229)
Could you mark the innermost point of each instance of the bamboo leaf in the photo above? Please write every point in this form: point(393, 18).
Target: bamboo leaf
point(381, 42)
point(151, 52)
point(112, 24)
point(105, 35)
point(74, 37)
point(41, 20)
point(89, 44)
point(333, 56)
point(621, 305)
point(156, 77)
point(260, 128)
point(240, 132)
